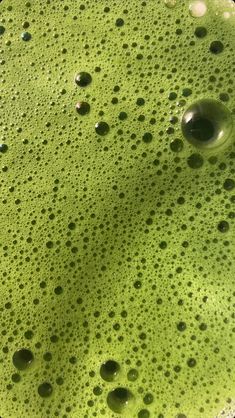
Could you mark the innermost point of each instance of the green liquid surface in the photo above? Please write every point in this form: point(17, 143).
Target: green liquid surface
point(117, 240)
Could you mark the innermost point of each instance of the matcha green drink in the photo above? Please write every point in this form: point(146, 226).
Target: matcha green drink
point(117, 163)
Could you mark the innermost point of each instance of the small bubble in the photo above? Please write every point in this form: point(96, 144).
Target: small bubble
point(216, 47)
point(176, 145)
point(229, 184)
point(45, 390)
point(118, 399)
point(3, 148)
point(170, 3)
point(109, 370)
point(83, 79)
point(15, 378)
point(197, 8)
point(148, 399)
point(119, 22)
point(122, 115)
point(195, 161)
point(223, 226)
point(102, 128)
point(143, 413)
point(22, 358)
point(97, 390)
point(132, 375)
point(26, 36)
point(83, 108)
point(181, 326)
point(200, 32)
point(191, 362)
point(147, 137)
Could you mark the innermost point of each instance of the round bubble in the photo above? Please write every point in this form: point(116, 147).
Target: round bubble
point(207, 123)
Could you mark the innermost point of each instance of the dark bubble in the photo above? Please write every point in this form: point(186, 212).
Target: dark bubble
point(26, 36)
point(3, 148)
point(176, 145)
point(181, 326)
point(118, 399)
point(102, 128)
point(15, 378)
point(83, 108)
point(45, 390)
point(2, 30)
point(58, 290)
point(119, 22)
point(216, 47)
point(122, 115)
point(207, 123)
point(109, 370)
point(132, 375)
point(195, 161)
point(186, 92)
point(143, 413)
point(140, 101)
point(191, 362)
point(83, 79)
point(223, 226)
point(22, 358)
point(200, 32)
point(148, 399)
point(229, 184)
point(47, 356)
point(97, 390)
point(147, 137)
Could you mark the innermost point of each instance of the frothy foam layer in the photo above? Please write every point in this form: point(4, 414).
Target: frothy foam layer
point(117, 238)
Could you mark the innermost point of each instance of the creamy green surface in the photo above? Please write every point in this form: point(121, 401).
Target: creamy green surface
point(118, 246)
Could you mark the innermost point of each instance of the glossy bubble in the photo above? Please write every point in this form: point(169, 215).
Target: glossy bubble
point(207, 124)
point(22, 358)
point(118, 399)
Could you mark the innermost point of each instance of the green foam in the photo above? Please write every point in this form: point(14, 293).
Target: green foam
point(115, 246)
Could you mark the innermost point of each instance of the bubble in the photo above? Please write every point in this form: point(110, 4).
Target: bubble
point(148, 399)
point(191, 362)
point(197, 8)
point(3, 148)
point(195, 161)
point(229, 184)
point(122, 115)
point(170, 3)
point(47, 356)
point(83, 108)
point(147, 137)
point(102, 128)
point(176, 145)
point(143, 413)
point(109, 370)
point(26, 36)
point(207, 123)
point(132, 375)
point(181, 326)
point(83, 79)
point(22, 358)
point(2, 30)
point(118, 399)
point(216, 47)
point(97, 390)
point(119, 22)
point(45, 390)
point(200, 32)
point(15, 378)
point(223, 226)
